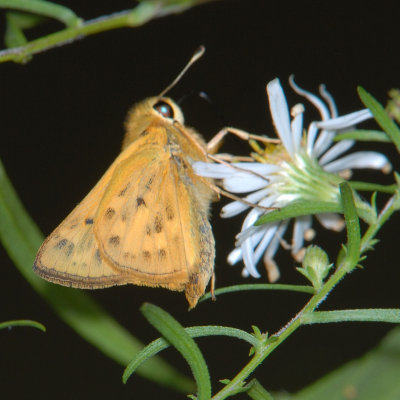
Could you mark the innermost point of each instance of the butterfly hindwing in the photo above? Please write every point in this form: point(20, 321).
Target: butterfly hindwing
point(146, 222)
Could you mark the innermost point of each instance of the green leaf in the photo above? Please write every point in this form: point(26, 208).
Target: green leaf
point(259, 286)
point(257, 392)
point(22, 322)
point(196, 331)
point(299, 208)
point(381, 116)
point(363, 135)
point(391, 315)
point(353, 245)
point(21, 238)
point(373, 187)
point(174, 332)
point(372, 377)
point(44, 8)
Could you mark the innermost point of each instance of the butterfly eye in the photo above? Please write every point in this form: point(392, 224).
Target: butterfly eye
point(164, 109)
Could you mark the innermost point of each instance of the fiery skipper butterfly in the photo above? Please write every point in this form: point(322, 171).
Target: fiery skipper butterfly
point(146, 220)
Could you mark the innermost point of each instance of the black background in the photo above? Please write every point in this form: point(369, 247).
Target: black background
point(62, 123)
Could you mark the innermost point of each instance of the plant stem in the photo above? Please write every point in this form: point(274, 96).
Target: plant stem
point(141, 14)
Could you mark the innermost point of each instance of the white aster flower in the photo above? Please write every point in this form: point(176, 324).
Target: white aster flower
point(307, 165)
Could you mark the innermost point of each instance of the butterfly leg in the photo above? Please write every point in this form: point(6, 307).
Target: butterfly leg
point(216, 141)
point(223, 192)
point(212, 288)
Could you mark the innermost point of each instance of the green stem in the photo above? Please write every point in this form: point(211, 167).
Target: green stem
point(237, 382)
point(347, 265)
point(141, 14)
point(44, 8)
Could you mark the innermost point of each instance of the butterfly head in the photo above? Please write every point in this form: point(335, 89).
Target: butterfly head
point(151, 111)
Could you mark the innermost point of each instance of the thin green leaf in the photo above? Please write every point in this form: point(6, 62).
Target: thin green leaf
point(363, 135)
point(352, 226)
point(391, 315)
point(373, 187)
point(373, 376)
point(22, 322)
point(297, 209)
point(259, 286)
point(21, 238)
point(13, 35)
point(257, 392)
point(381, 116)
point(195, 331)
point(174, 332)
point(44, 8)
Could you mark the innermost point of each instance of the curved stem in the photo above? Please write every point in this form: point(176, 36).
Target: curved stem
point(141, 14)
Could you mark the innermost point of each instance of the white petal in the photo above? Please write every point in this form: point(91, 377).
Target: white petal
point(236, 207)
point(329, 100)
point(323, 142)
point(270, 265)
point(243, 183)
point(311, 135)
point(335, 151)
point(360, 159)
point(235, 256)
point(212, 170)
point(301, 224)
point(330, 221)
point(248, 259)
point(268, 234)
point(345, 121)
point(318, 104)
point(297, 131)
point(280, 114)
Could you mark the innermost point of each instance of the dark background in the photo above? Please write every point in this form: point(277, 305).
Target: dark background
point(62, 123)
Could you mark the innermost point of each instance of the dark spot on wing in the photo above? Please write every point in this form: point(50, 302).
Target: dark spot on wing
point(69, 249)
point(144, 133)
point(127, 255)
point(162, 253)
point(140, 202)
point(170, 212)
point(123, 191)
point(114, 240)
point(158, 227)
point(148, 230)
point(146, 255)
point(98, 256)
point(61, 244)
point(149, 182)
point(124, 216)
point(88, 221)
point(110, 212)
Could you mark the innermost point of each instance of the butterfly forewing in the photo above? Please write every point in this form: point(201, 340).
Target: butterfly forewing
point(70, 255)
point(146, 221)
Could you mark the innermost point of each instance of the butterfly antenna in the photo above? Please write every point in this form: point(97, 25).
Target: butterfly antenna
point(197, 54)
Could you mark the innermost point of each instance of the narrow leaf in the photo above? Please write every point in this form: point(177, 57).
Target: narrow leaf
point(21, 238)
point(259, 286)
point(44, 8)
point(174, 332)
point(391, 315)
point(196, 331)
point(363, 135)
point(257, 392)
point(352, 227)
point(22, 322)
point(381, 116)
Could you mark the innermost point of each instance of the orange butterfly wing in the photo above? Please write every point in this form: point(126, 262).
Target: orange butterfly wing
point(141, 224)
